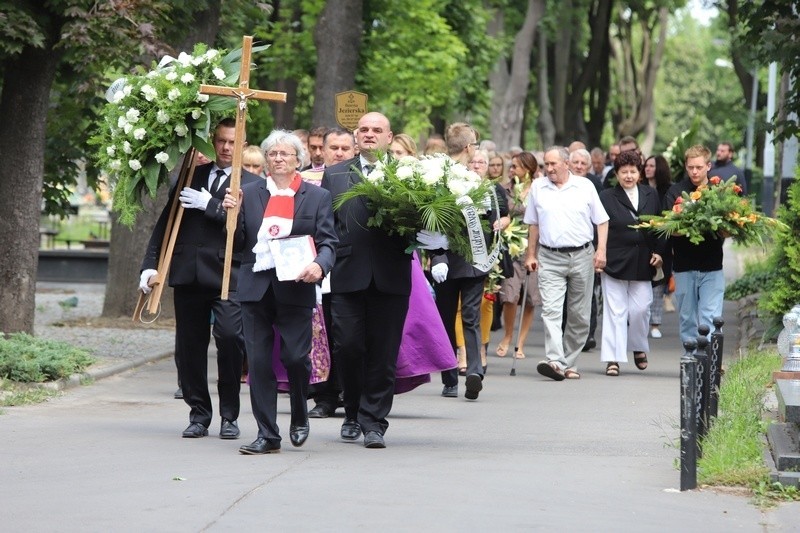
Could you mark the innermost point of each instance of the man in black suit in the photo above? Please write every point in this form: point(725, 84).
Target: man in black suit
point(370, 287)
point(270, 304)
point(196, 276)
point(455, 278)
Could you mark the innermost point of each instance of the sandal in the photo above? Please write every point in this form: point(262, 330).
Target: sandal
point(502, 350)
point(571, 374)
point(519, 355)
point(612, 369)
point(550, 370)
point(640, 360)
point(462, 371)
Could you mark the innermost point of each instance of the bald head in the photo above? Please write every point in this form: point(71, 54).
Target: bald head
point(373, 135)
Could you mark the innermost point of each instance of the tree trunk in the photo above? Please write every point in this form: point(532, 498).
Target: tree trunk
point(508, 101)
point(561, 63)
point(283, 112)
point(545, 124)
point(340, 22)
point(205, 27)
point(27, 78)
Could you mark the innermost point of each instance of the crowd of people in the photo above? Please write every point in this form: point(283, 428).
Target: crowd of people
point(365, 319)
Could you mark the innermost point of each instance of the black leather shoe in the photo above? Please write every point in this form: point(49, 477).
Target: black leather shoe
point(351, 429)
point(590, 343)
point(260, 446)
point(321, 410)
point(373, 439)
point(178, 394)
point(450, 391)
point(474, 386)
point(298, 435)
point(195, 431)
point(229, 429)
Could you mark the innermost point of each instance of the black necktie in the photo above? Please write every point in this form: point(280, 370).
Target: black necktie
point(218, 180)
point(368, 169)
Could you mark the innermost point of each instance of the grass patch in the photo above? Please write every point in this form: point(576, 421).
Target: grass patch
point(18, 395)
point(732, 449)
point(27, 359)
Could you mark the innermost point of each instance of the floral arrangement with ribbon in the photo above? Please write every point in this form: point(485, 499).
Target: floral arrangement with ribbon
point(715, 209)
point(154, 117)
point(434, 193)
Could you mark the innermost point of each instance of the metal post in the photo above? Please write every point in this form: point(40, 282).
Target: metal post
point(715, 366)
point(701, 354)
point(688, 417)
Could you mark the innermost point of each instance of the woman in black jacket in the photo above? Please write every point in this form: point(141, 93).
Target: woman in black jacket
point(632, 256)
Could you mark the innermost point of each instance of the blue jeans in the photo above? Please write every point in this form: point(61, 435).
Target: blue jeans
point(699, 296)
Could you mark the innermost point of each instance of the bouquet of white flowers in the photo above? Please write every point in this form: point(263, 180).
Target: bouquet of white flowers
point(409, 195)
point(154, 117)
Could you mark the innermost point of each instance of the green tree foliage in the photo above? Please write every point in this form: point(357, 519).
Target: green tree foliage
point(770, 30)
point(694, 81)
point(412, 63)
point(783, 291)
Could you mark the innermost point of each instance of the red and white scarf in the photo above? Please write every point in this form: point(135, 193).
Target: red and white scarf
point(277, 223)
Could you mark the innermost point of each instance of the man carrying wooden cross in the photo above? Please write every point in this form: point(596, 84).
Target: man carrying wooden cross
point(196, 276)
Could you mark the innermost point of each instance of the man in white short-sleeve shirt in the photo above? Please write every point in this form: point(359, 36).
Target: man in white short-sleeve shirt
point(562, 212)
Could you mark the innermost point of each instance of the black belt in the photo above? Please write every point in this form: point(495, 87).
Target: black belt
point(566, 249)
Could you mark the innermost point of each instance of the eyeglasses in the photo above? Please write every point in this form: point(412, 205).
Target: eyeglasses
point(282, 155)
point(475, 144)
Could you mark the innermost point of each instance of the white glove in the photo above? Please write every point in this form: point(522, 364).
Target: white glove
point(194, 199)
point(144, 278)
point(432, 240)
point(439, 272)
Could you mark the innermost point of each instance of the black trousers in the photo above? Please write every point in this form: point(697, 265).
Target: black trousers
point(367, 330)
point(261, 321)
point(471, 292)
point(193, 308)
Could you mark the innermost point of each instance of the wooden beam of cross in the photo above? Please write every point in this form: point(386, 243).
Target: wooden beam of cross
point(243, 93)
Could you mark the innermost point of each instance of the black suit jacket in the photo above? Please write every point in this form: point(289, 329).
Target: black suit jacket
point(457, 266)
point(199, 253)
point(629, 250)
point(313, 216)
point(364, 255)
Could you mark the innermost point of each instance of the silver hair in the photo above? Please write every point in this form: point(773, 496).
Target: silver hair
point(563, 153)
point(277, 137)
point(581, 152)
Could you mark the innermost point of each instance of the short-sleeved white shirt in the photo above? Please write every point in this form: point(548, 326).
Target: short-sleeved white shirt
point(566, 216)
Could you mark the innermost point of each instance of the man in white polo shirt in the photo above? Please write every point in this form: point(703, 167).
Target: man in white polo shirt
point(562, 212)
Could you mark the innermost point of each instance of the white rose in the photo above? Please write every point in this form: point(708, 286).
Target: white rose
point(126, 147)
point(375, 176)
point(134, 164)
point(187, 78)
point(162, 117)
point(138, 133)
point(127, 90)
point(132, 115)
point(432, 170)
point(196, 61)
point(171, 76)
point(202, 98)
point(111, 150)
point(115, 164)
point(121, 121)
point(118, 96)
point(458, 170)
point(127, 128)
point(196, 113)
point(457, 187)
point(181, 130)
point(219, 73)
point(174, 94)
point(149, 93)
point(405, 172)
point(162, 157)
point(185, 59)
point(211, 54)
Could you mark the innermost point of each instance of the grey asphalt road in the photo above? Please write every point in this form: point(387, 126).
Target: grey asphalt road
point(531, 454)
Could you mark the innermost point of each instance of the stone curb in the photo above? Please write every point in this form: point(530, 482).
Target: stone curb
point(75, 380)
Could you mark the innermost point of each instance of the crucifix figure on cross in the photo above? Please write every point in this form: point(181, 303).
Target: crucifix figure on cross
point(244, 93)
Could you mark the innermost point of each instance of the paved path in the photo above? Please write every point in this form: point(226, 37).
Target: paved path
point(531, 454)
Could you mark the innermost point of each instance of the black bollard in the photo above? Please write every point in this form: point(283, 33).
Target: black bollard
point(688, 417)
point(703, 385)
point(715, 367)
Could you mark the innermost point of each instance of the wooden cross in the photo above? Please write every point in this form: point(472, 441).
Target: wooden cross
point(243, 93)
